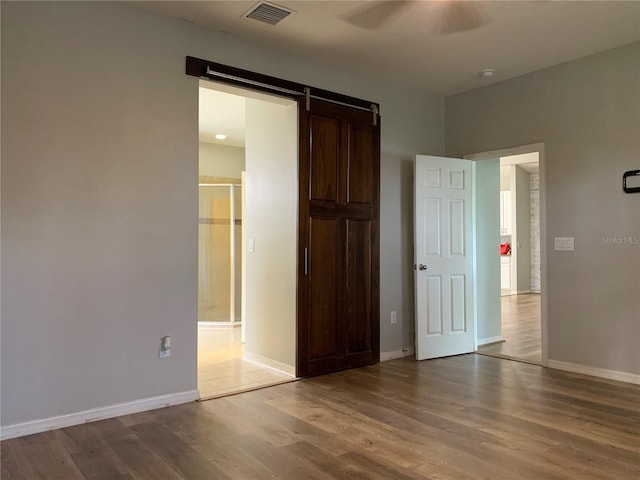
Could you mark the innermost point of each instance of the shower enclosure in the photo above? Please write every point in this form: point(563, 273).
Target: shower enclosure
point(219, 253)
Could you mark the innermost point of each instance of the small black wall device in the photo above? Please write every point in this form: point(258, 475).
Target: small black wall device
point(630, 173)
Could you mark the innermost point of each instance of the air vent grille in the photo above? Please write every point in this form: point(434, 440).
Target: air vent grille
point(268, 13)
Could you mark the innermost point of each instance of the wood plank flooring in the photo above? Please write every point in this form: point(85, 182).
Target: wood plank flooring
point(222, 369)
point(520, 330)
point(464, 418)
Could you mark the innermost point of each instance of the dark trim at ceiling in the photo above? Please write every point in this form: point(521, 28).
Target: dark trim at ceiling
point(197, 67)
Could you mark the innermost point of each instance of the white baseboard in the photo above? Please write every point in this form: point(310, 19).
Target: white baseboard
point(486, 341)
point(405, 352)
point(94, 414)
point(267, 362)
point(595, 372)
point(217, 325)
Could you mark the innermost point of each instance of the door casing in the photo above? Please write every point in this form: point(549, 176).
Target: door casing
point(540, 148)
point(306, 96)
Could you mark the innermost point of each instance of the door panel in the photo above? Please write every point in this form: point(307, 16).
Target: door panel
point(431, 303)
point(358, 300)
point(360, 189)
point(457, 291)
point(456, 227)
point(323, 259)
point(325, 133)
point(338, 287)
point(431, 235)
point(444, 295)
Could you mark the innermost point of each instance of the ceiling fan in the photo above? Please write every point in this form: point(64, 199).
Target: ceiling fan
point(446, 16)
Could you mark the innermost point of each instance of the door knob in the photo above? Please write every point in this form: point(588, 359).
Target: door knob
point(422, 267)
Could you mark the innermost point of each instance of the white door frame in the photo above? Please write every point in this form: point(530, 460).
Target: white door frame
point(247, 93)
point(505, 152)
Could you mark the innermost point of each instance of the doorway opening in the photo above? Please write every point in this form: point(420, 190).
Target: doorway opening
point(246, 279)
point(515, 329)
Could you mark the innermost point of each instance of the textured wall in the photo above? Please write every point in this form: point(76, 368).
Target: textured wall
point(100, 201)
point(587, 113)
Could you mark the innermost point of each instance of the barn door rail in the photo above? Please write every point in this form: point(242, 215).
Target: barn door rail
point(197, 67)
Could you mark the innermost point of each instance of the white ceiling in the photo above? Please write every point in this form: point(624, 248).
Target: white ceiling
point(530, 167)
point(221, 113)
point(520, 36)
point(529, 162)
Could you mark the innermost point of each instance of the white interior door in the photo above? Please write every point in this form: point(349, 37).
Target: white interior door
point(443, 257)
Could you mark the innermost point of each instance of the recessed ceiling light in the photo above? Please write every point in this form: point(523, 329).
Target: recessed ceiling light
point(221, 136)
point(487, 73)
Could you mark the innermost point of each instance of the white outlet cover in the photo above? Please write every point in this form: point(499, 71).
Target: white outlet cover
point(564, 243)
point(164, 347)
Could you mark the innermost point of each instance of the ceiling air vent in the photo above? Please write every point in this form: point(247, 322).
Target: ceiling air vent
point(268, 13)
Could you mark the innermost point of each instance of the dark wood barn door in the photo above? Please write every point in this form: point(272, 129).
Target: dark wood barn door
point(338, 281)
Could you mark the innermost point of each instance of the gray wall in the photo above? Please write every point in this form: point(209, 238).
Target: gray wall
point(587, 112)
point(100, 205)
point(487, 258)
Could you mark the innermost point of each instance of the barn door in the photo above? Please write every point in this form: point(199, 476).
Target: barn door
point(338, 280)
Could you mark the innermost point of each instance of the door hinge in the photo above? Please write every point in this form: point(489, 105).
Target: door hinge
point(374, 109)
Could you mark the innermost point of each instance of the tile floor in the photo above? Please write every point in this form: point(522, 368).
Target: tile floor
point(222, 370)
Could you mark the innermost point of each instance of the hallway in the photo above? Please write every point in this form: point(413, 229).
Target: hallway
point(520, 330)
point(222, 370)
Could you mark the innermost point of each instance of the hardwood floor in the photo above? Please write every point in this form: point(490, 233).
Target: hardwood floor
point(520, 330)
point(463, 418)
point(222, 370)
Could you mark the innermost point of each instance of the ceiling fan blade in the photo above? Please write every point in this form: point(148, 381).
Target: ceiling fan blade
point(377, 15)
point(460, 16)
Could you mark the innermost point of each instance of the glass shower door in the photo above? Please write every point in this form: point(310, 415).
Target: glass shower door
point(218, 265)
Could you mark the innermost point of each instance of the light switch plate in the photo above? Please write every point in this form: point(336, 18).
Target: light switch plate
point(564, 243)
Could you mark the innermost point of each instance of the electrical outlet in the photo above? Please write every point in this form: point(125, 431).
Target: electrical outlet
point(164, 347)
point(394, 317)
